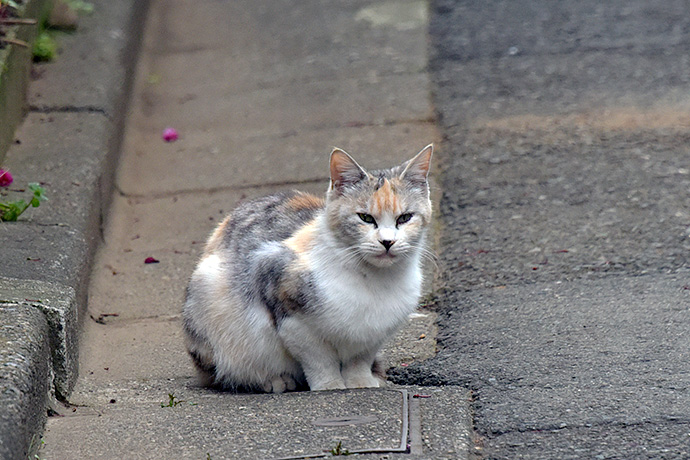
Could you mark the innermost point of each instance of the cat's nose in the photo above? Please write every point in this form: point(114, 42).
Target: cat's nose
point(387, 243)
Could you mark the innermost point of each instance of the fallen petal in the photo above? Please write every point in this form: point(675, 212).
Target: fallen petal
point(5, 178)
point(151, 260)
point(170, 135)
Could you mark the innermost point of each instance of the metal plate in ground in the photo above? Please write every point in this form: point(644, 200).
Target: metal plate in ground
point(216, 425)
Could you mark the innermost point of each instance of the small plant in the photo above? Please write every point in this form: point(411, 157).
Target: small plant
point(11, 210)
point(44, 48)
point(338, 450)
point(33, 446)
point(174, 402)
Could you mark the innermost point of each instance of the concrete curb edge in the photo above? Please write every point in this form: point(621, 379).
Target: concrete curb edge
point(48, 254)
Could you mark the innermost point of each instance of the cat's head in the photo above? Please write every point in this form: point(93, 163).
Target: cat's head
point(381, 217)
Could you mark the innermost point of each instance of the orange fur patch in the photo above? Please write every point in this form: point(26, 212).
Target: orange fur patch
point(216, 237)
point(304, 201)
point(385, 198)
point(303, 239)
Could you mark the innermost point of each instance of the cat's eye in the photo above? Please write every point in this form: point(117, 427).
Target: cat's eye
point(368, 218)
point(404, 218)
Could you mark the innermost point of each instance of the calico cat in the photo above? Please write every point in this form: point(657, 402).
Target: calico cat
point(295, 290)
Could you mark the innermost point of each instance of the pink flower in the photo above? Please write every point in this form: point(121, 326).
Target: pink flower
point(170, 135)
point(5, 178)
point(151, 260)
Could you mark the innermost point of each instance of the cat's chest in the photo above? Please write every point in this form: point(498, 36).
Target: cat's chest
point(367, 290)
point(357, 303)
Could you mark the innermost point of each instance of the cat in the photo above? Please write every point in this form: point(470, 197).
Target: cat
point(294, 291)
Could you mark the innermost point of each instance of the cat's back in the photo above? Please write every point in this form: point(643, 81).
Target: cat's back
point(269, 218)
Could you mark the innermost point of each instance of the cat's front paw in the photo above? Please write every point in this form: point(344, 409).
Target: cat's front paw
point(363, 381)
point(336, 384)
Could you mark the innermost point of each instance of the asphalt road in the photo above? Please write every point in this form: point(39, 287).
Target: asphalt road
point(564, 281)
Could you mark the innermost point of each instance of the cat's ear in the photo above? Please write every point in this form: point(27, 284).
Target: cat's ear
point(417, 169)
point(344, 170)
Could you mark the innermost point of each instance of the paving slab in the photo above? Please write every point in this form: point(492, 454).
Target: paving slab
point(244, 124)
point(308, 105)
point(181, 221)
point(131, 421)
point(130, 288)
point(212, 159)
point(148, 349)
point(338, 43)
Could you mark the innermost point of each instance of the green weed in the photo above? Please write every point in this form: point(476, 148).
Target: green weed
point(45, 47)
point(174, 402)
point(338, 450)
point(11, 210)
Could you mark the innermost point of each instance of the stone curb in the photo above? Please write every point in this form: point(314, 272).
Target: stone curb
point(24, 378)
point(70, 143)
point(15, 66)
point(58, 305)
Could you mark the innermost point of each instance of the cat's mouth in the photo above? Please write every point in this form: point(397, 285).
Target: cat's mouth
point(384, 259)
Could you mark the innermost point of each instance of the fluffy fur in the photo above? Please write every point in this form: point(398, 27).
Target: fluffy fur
point(293, 290)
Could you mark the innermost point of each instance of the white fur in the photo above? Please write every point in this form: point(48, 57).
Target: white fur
point(364, 305)
point(243, 339)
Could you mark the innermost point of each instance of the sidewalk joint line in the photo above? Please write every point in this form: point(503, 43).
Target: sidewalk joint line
point(214, 190)
point(46, 109)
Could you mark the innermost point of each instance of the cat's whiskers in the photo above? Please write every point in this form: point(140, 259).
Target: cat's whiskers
point(423, 250)
point(353, 254)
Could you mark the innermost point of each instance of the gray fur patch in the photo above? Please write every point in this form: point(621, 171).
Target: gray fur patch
point(259, 261)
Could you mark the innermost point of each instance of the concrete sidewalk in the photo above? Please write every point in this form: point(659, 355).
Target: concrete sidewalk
point(259, 92)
